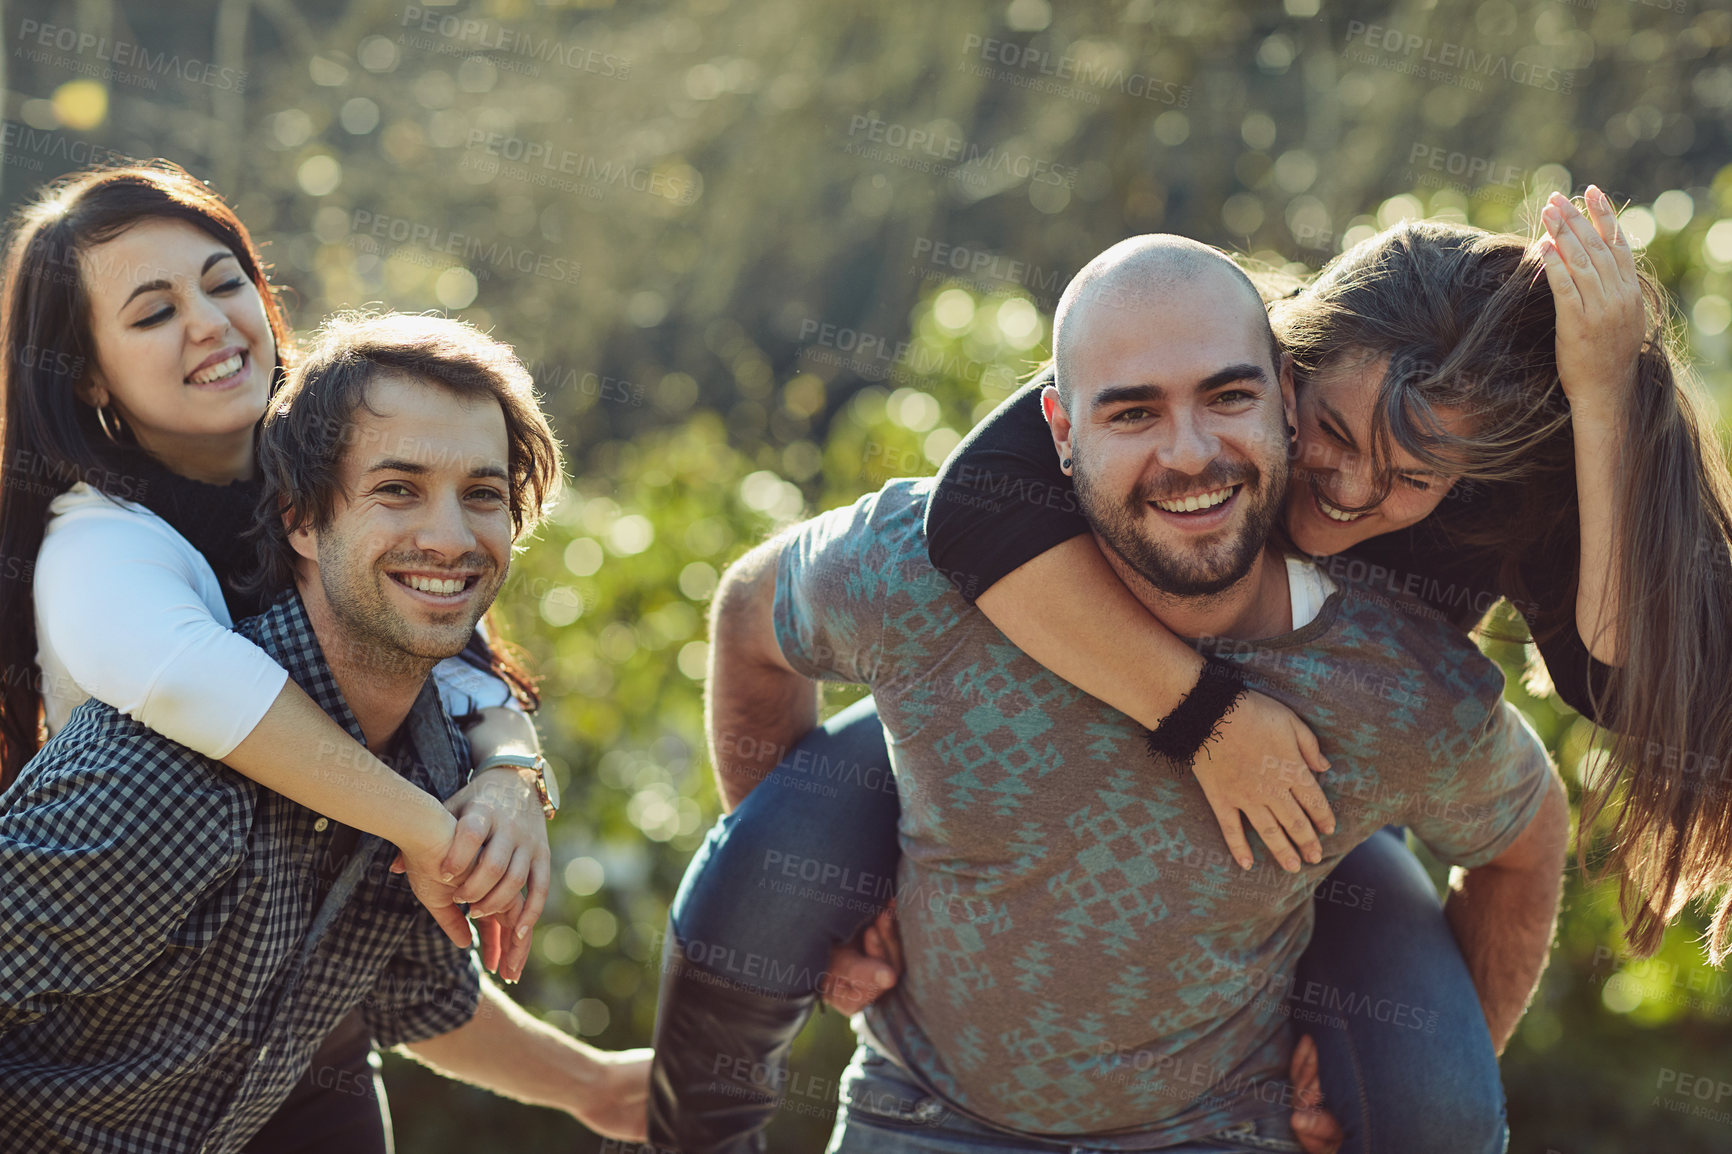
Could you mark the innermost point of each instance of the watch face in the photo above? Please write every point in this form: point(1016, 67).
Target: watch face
point(551, 784)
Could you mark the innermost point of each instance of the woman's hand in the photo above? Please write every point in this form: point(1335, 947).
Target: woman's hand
point(1601, 321)
point(500, 846)
point(1262, 765)
point(505, 807)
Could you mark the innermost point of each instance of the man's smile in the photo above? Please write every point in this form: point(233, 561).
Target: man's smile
point(436, 587)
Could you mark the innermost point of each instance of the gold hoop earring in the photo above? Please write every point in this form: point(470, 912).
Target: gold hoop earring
point(102, 419)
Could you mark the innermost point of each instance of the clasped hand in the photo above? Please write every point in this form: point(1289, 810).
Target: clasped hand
point(497, 864)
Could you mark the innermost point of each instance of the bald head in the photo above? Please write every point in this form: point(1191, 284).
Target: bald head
point(1169, 413)
point(1135, 277)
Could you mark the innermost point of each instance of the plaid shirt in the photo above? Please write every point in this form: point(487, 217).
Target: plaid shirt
point(155, 992)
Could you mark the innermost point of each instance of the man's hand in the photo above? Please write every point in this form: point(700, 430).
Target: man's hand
point(861, 971)
point(1315, 1127)
point(428, 881)
point(618, 1105)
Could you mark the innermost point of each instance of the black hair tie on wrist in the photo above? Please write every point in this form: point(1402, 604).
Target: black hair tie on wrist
point(1196, 720)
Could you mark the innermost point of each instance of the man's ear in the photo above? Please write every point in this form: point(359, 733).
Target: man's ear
point(1289, 403)
point(303, 540)
point(1059, 421)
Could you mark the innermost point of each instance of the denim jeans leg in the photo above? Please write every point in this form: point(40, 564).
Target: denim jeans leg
point(805, 861)
point(1404, 1054)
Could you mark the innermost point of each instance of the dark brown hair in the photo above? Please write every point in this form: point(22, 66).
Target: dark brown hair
point(310, 423)
point(1467, 320)
point(49, 439)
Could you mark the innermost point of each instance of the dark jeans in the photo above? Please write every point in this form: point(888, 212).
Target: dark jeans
point(338, 1106)
point(884, 1111)
point(1404, 1055)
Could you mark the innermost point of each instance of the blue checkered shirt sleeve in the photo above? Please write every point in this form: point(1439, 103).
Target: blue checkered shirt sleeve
point(428, 988)
point(82, 914)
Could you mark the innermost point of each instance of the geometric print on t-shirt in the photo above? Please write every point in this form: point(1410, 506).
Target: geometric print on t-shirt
point(1082, 955)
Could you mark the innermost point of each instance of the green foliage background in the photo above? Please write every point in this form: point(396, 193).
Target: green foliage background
point(726, 286)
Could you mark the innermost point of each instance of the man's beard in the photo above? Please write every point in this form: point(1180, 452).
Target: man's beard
point(375, 633)
point(1204, 568)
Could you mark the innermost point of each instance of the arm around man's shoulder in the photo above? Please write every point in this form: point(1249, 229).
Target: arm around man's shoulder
point(135, 616)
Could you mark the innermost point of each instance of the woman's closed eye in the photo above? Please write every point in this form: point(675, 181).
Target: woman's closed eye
point(1333, 433)
point(155, 318)
point(226, 288)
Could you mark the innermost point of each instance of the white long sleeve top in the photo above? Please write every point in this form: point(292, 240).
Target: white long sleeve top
point(128, 612)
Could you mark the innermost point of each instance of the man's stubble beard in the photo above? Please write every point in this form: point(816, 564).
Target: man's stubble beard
point(1202, 572)
point(375, 635)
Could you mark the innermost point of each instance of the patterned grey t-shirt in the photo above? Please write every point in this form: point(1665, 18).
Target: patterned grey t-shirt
point(1083, 957)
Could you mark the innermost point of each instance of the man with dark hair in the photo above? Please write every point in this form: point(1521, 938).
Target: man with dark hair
point(310, 424)
point(1081, 973)
point(174, 952)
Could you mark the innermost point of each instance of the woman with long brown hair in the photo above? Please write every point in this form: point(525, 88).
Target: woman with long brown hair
point(141, 342)
point(1480, 417)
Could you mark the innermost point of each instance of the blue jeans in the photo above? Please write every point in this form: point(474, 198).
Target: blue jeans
point(884, 1110)
point(1404, 1056)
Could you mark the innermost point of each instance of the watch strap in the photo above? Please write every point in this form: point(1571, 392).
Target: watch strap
point(549, 799)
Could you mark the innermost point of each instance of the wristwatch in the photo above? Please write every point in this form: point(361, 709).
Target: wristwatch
point(545, 785)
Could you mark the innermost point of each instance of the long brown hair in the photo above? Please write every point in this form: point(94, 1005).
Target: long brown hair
point(1467, 320)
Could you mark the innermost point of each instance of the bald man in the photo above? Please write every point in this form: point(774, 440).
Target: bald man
point(1083, 968)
